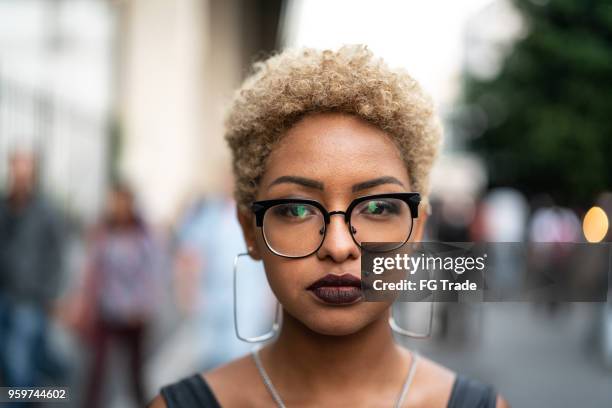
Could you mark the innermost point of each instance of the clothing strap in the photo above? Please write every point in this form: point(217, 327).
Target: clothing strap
point(470, 393)
point(190, 392)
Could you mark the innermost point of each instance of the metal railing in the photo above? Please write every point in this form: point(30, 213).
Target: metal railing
point(72, 144)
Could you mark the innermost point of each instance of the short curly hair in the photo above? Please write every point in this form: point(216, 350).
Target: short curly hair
point(290, 85)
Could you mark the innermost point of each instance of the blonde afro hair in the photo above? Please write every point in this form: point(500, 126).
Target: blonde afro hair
point(288, 86)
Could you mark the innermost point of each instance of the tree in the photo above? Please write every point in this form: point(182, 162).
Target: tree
point(549, 110)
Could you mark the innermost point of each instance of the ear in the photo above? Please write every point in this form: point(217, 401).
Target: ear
point(419, 227)
point(249, 230)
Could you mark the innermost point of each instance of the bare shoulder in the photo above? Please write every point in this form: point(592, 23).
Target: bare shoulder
point(158, 402)
point(435, 370)
point(436, 384)
point(433, 384)
point(223, 380)
point(236, 371)
point(501, 402)
point(243, 372)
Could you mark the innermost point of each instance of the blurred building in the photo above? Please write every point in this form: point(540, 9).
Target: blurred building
point(56, 76)
point(179, 62)
point(138, 83)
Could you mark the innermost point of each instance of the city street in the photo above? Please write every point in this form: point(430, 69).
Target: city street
point(535, 360)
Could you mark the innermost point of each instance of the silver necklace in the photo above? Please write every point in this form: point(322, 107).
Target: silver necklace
point(279, 402)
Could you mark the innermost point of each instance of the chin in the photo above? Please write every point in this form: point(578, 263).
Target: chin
point(336, 328)
point(339, 321)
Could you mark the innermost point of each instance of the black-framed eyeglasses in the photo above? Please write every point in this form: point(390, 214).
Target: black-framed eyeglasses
point(296, 228)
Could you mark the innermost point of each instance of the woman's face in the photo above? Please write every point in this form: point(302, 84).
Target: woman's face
point(334, 154)
point(119, 206)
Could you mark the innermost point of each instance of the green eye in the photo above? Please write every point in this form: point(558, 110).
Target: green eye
point(374, 207)
point(299, 211)
point(294, 211)
point(380, 208)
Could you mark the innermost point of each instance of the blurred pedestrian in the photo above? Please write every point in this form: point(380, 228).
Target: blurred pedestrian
point(121, 285)
point(31, 248)
point(552, 230)
point(505, 212)
point(208, 239)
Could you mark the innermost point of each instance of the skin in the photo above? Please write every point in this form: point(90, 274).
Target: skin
point(120, 207)
point(341, 356)
point(22, 170)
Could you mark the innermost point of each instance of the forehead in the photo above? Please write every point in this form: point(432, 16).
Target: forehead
point(119, 194)
point(336, 149)
point(22, 158)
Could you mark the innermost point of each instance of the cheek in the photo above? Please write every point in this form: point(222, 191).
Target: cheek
point(285, 277)
point(341, 321)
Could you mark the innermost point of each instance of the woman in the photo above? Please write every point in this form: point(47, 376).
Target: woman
point(312, 133)
point(120, 290)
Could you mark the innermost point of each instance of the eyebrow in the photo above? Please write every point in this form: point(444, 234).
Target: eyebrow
point(306, 182)
point(310, 183)
point(376, 182)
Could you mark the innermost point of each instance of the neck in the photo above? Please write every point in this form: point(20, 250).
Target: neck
point(310, 359)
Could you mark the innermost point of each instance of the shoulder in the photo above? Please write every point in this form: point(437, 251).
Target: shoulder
point(438, 386)
point(241, 371)
point(215, 388)
point(44, 206)
point(469, 392)
point(158, 402)
point(432, 384)
point(189, 392)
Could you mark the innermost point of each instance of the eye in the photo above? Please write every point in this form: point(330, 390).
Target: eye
point(294, 211)
point(379, 207)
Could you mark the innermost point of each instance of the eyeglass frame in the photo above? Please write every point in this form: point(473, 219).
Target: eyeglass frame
point(259, 208)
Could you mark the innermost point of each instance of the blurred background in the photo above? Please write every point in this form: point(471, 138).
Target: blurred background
point(114, 172)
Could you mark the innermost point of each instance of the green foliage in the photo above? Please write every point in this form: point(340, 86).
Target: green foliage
point(549, 111)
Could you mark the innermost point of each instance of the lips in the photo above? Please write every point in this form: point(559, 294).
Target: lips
point(337, 289)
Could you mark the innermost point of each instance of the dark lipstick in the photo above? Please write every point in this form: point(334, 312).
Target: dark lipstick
point(337, 289)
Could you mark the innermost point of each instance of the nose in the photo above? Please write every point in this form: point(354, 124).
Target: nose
point(338, 243)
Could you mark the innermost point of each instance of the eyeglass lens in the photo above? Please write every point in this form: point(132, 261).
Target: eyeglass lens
point(297, 229)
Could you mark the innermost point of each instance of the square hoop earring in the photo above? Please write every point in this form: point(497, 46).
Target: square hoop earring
point(409, 333)
point(277, 315)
